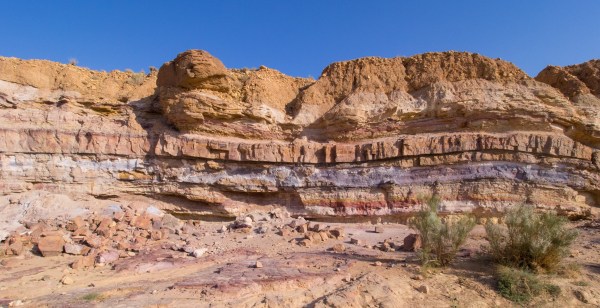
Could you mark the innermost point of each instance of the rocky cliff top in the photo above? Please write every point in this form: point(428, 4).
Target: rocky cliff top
point(351, 100)
point(78, 82)
point(376, 97)
point(573, 80)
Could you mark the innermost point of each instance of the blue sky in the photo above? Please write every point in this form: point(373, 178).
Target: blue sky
point(298, 38)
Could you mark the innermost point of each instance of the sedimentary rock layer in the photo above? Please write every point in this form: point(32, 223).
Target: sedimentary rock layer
point(369, 137)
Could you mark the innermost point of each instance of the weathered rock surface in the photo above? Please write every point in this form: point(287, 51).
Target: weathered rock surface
point(198, 94)
point(369, 137)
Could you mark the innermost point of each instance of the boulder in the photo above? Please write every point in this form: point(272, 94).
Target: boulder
point(108, 257)
point(338, 247)
point(51, 245)
point(197, 253)
point(412, 242)
point(194, 69)
point(74, 249)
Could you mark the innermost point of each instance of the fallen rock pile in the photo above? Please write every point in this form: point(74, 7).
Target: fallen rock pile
point(118, 232)
point(280, 222)
point(99, 239)
point(312, 232)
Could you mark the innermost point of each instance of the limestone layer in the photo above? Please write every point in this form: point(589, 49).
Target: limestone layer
point(369, 137)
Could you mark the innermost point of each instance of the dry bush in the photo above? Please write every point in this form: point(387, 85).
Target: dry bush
point(136, 78)
point(440, 239)
point(530, 240)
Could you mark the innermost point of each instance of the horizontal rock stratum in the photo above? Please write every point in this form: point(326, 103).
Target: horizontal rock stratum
point(369, 137)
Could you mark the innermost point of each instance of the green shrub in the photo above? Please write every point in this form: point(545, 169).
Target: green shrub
point(530, 240)
point(553, 290)
point(517, 285)
point(440, 239)
point(521, 286)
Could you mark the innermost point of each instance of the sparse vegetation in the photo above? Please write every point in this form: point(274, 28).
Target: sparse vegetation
point(521, 286)
point(530, 240)
point(552, 289)
point(94, 297)
point(581, 283)
point(73, 61)
point(528, 243)
point(441, 239)
point(136, 78)
point(569, 270)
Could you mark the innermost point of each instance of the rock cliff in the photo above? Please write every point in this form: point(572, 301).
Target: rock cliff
point(368, 137)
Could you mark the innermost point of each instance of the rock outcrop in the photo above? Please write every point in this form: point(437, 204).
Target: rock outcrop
point(369, 137)
point(199, 95)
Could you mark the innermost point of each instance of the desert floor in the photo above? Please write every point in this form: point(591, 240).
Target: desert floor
point(288, 274)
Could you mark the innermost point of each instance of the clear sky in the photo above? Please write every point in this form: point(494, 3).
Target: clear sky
point(298, 37)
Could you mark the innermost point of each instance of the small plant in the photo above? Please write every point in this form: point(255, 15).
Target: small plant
point(137, 78)
point(553, 290)
point(91, 297)
point(530, 240)
point(569, 270)
point(440, 239)
point(581, 283)
point(521, 286)
point(517, 285)
point(73, 61)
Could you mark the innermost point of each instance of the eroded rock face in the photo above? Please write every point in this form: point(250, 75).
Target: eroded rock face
point(369, 137)
point(38, 80)
point(194, 69)
point(581, 84)
point(573, 80)
point(394, 77)
point(198, 94)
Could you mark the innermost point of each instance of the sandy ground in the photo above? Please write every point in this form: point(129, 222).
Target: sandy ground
point(291, 275)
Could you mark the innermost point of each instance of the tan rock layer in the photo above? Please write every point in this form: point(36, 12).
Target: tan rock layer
point(300, 151)
point(371, 98)
point(379, 75)
point(81, 83)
